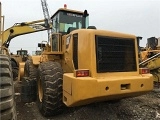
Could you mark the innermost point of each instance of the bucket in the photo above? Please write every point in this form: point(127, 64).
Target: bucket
point(28, 90)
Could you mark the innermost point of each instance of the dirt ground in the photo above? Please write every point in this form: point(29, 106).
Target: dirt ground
point(145, 107)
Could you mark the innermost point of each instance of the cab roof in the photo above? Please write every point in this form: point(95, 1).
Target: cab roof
point(67, 10)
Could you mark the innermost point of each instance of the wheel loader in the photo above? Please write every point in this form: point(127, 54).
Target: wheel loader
point(20, 57)
point(150, 58)
point(81, 64)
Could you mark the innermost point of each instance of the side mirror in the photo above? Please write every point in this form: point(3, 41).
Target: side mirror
point(85, 14)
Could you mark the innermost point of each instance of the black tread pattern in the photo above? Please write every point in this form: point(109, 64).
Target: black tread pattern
point(15, 73)
point(7, 102)
point(9, 114)
point(14, 68)
point(51, 74)
point(30, 70)
point(28, 90)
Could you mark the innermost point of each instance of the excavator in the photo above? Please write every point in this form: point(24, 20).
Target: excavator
point(81, 64)
point(9, 66)
point(16, 30)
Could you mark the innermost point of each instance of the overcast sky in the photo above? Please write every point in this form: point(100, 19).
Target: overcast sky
point(139, 17)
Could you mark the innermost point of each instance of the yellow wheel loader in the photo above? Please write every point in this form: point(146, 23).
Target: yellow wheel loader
point(20, 57)
point(150, 58)
point(81, 65)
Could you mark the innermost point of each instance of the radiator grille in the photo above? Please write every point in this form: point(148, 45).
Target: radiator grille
point(115, 54)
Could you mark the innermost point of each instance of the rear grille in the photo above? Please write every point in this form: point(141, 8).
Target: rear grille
point(115, 54)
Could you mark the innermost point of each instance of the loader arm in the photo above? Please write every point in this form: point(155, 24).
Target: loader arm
point(21, 29)
point(152, 62)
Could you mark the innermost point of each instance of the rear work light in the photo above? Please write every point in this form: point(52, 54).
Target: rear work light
point(144, 70)
point(81, 73)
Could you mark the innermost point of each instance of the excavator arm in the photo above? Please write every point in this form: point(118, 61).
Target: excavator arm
point(23, 28)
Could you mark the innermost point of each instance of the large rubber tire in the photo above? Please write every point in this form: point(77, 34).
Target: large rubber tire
point(30, 70)
point(15, 73)
point(50, 76)
point(28, 90)
point(7, 101)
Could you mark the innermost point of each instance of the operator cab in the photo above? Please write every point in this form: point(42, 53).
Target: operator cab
point(37, 52)
point(22, 52)
point(65, 20)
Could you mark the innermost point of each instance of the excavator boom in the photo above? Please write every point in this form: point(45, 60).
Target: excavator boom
point(21, 29)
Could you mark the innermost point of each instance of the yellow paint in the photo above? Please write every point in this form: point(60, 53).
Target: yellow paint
point(85, 90)
point(36, 59)
point(21, 70)
point(99, 86)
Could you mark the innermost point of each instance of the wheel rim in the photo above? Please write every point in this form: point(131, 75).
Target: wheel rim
point(40, 90)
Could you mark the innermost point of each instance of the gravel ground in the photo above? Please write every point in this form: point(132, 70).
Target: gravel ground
point(145, 107)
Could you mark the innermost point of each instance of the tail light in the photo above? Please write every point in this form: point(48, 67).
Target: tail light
point(144, 70)
point(81, 73)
